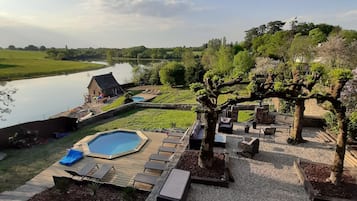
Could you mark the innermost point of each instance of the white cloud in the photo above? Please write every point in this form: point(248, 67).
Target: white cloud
point(151, 8)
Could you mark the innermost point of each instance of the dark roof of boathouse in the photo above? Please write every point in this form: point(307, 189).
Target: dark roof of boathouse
point(105, 81)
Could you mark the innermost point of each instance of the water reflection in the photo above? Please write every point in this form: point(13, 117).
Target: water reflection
point(40, 98)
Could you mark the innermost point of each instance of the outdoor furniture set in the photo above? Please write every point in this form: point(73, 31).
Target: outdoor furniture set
point(177, 183)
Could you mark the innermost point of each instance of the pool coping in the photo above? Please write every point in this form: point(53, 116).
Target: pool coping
point(87, 151)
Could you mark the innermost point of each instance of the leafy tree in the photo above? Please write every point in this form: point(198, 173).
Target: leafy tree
point(300, 49)
point(188, 58)
point(109, 55)
point(349, 35)
point(207, 94)
point(333, 52)
point(31, 48)
point(42, 48)
point(243, 62)
point(224, 63)
point(317, 36)
point(209, 58)
point(274, 26)
point(11, 47)
point(173, 74)
point(339, 77)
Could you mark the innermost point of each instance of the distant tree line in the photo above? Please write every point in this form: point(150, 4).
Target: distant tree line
point(28, 48)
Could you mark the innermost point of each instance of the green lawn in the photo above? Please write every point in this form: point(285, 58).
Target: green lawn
point(175, 95)
point(23, 164)
point(16, 64)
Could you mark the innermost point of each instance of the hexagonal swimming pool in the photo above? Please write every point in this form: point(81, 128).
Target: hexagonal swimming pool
point(114, 143)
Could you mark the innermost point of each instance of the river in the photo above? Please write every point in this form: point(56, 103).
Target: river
point(40, 98)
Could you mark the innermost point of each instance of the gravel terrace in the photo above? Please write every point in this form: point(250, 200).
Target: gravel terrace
point(270, 175)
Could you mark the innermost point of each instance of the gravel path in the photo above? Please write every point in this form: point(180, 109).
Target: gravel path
point(270, 175)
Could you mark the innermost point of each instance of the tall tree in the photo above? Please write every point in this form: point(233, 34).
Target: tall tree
point(243, 62)
point(207, 95)
point(339, 77)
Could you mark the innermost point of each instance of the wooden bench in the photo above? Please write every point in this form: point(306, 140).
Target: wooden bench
point(175, 187)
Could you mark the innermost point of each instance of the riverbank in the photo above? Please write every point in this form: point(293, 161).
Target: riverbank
point(16, 65)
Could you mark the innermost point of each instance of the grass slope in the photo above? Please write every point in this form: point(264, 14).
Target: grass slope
point(16, 64)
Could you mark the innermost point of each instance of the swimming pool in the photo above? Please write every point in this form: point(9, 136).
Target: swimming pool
point(138, 98)
point(115, 143)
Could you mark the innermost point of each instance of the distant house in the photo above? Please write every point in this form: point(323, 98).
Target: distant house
point(104, 85)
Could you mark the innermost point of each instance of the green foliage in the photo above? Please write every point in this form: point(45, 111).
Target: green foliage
point(172, 74)
point(224, 63)
point(341, 74)
point(243, 62)
point(209, 58)
point(27, 64)
point(279, 86)
point(331, 122)
point(300, 49)
point(317, 36)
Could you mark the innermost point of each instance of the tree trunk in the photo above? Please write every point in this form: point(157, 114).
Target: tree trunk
point(296, 132)
point(338, 163)
point(205, 159)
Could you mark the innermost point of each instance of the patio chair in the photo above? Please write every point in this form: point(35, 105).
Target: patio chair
point(84, 171)
point(72, 157)
point(145, 178)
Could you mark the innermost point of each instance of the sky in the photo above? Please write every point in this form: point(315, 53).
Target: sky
point(155, 23)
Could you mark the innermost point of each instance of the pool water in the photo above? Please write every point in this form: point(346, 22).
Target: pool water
point(138, 98)
point(115, 143)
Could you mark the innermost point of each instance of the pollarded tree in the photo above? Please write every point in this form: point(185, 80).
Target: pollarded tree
point(339, 77)
point(207, 94)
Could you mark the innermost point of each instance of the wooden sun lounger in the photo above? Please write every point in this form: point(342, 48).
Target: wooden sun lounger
point(159, 157)
point(171, 141)
point(167, 149)
point(145, 178)
point(154, 166)
point(102, 171)
point(84, 171)
point(175, 134)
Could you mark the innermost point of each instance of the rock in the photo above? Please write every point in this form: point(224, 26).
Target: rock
point(2, 155)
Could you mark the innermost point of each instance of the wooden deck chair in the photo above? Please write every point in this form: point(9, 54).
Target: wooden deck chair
point(171, 141)
point(154, 166)
point(180, 135)
point(84, 171)
point(167, 149)
point(145, 178)
point(103, 170)
point(160, 157)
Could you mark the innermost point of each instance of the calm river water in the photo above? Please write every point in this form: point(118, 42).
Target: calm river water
point(40, 98)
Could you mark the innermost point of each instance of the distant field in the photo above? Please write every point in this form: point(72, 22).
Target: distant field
point(16, 64)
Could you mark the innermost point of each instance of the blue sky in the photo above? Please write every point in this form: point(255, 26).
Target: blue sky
point(155, 23)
